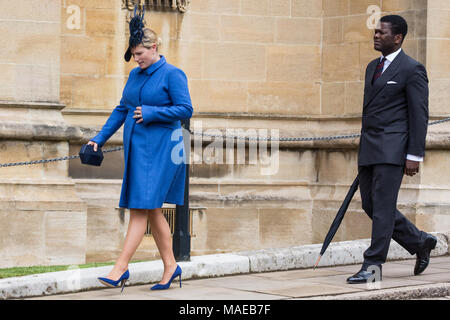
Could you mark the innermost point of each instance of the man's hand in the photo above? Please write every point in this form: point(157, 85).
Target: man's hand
point(411, 167)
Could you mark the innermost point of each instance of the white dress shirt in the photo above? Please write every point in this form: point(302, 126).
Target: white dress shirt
point(387, 62)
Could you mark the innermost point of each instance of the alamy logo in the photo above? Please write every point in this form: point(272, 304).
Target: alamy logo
point(375, 14)
point(235, 146)
point(374, 281)
point(73, 22)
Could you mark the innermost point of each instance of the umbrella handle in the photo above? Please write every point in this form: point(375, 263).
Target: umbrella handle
point(317, 261)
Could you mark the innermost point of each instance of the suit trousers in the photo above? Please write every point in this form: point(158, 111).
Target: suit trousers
point(379, 187)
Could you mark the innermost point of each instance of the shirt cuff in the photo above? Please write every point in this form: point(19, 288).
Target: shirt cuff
point(414, 158)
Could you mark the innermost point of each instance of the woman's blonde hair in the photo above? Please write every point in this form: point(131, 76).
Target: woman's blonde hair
point(150, 37)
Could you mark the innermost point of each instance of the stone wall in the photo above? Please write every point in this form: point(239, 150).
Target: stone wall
point(296, 66)
point(433, 204)
point(42, 219)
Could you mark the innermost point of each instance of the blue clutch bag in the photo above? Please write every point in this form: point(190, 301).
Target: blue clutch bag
point(89, 156)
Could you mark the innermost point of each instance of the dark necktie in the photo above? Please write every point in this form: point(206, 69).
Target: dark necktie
point(378, 70)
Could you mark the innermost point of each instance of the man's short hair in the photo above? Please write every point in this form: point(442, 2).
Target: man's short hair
point(398, 25)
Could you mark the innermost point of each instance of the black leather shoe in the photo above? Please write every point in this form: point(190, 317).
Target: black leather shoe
point(364, 276)
point(423, 255)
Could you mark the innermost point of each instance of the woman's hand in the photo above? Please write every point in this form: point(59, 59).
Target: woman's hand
point(138, 114)
point(92, 143)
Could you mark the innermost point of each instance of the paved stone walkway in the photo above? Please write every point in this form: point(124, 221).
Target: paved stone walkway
point(398, 282)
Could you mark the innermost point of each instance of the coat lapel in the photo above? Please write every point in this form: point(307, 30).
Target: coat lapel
point(369, 74)
point(388, 74)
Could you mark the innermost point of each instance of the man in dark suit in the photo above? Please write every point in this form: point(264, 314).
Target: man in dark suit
point(394, 127)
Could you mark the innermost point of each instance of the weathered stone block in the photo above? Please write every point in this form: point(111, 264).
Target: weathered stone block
point(438, 4)
point(341, 62)
point(336, 165)
point(281, 8)
point(101, 22)
point(438, 58)
point(284, 98)
point(356, 30)
point(256, 7)
point(247, 29)
point(216, 6)
point(439, 96)
point(65, 237)
point(298, 30)
point(37, 236)
point(354, 96)
point(96, 93)
point(232, 229)
point(198, 27)
point(186, 55)
point(28, 42)
point(305, 8)
point(332, 8)
point(333, 98)
point(32, 10)
point(333, 30)
point(397, 5)
point(163, 23)
point(219, 95)
point(83, 55)
point(100, 4)
point(19, 151)
point(360, 6)
point(421, 24)
point(435, 168)
point(21, 237)
point(230, 61)
point(7, 82)
point(293, 63)
point(438, 23)
point(284, 227)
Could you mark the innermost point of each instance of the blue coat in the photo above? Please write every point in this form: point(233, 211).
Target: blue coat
point(153, 149)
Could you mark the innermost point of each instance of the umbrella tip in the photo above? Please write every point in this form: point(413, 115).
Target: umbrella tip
point(317, 262)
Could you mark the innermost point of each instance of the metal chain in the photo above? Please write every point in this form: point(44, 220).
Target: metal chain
point(326, 138)
point(12, 164)
point(439, 121)
point(349, 136)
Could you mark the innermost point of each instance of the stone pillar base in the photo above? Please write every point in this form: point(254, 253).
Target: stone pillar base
point(42, 223)
point(42, 219)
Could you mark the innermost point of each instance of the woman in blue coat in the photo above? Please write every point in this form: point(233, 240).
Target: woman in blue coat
point(155, 99)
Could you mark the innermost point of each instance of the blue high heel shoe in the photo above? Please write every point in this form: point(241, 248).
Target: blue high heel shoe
point(111, 283)
point(177, 273)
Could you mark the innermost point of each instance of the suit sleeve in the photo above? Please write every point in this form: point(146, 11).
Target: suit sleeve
point(114, 122)
point(179, 94)
point(417, 96)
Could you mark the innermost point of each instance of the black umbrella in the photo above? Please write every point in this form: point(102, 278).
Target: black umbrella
point(338, 219)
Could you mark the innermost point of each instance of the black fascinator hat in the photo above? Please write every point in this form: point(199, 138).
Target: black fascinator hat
point(136, 31)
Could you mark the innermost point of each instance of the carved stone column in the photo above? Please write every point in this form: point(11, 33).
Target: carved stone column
point(42, 220)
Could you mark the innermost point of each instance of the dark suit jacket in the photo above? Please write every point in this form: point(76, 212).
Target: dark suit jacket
point(395, 116)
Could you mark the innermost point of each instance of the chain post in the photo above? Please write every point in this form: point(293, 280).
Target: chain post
point(181, 242)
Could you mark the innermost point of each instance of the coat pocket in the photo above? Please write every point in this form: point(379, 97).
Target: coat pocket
point(393, 89)
point(397, 128)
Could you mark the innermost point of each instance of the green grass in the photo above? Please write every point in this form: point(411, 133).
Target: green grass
point(25, 271)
